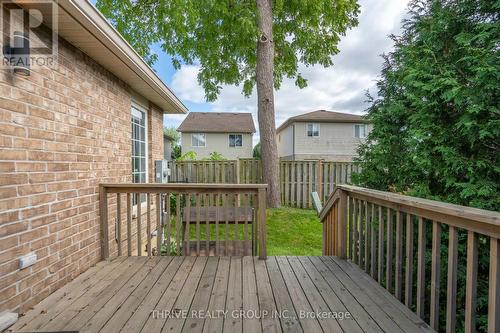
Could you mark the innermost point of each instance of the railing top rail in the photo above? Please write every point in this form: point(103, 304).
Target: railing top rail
point(180, 187)
point(443, 212)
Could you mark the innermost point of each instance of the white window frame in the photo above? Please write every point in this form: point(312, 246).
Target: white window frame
point(307, 130)
point(229, 140)
point(364, 131)
point(204, 134)
point(142, 109)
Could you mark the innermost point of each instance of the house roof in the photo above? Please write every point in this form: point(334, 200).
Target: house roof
point(81, 24)
point(218, 122)
point(323, 116)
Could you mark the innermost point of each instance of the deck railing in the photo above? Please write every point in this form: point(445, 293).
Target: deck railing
point(185, 219)
point(385, 234)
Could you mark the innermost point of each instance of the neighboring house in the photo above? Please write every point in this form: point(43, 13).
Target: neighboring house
point(324, 135)
point(229, 134)
point(167, 147)
point(95, 116)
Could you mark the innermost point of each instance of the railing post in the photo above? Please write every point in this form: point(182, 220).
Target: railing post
point(494, 287)
point(103, 216)
point(342, 225)
point(261, 230)
point(319, 179)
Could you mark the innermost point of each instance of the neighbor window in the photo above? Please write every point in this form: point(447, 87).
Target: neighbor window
point(198, 140)
point(360, 131)
point(139, 148)
point(235, 140)
point(313, 130)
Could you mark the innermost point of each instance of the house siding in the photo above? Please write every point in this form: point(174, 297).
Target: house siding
point(63, 131)
point(218, 142)
point(285, 142)
point(335, 143)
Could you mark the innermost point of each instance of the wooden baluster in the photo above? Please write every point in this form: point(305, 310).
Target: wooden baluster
point(399, 257)
point(451, 293)
point(262, 224)
point(217, 216)
point(380, 268)
point(435, 274)
point(245, 231)
point(350, 201)
point(471, 283)
point(373, 244)
point(119, 222)
point(148, 223)
point(421, 267)
point(355, 231)
point(168, 221)
point(236, 242)
point(159, 229)
point(494, 287)
point(409, 261)
point(129, 224)
point(367, 238)
point(226, 216)
point(104, 224)
point(187, 232)
point(388, 267)
point(198, 212)
point(178, 224)
point(254, 225)
point(139, 224)
point(207, 225)
point(361, 233)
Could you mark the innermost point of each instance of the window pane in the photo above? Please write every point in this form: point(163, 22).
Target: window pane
point(238, 140)
point(138, 143)
point(356, 131)
point(198, 140)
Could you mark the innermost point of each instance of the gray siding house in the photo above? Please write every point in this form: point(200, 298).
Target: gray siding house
point(227, 133)
point(324, 135)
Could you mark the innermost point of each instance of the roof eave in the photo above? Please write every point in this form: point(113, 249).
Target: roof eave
point(103, 43)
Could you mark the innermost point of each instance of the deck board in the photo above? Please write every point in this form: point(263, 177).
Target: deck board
point(122, 294)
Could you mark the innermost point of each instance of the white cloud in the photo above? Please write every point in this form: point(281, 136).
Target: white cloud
point(339, 88)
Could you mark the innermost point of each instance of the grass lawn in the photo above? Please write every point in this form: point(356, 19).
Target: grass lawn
point(293, 231)
point(290, 231)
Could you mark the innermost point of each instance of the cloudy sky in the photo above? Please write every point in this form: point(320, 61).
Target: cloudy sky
point(338, 88)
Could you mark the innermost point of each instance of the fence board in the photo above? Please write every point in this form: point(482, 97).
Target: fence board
point(298, 179)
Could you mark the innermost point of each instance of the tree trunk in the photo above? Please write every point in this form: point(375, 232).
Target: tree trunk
point(265, 102)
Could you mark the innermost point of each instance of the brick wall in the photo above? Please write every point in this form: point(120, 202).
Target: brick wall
point(62, 132)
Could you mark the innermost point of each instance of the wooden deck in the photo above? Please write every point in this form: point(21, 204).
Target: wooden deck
point(140, 294)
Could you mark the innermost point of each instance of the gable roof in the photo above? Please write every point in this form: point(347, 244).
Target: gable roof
point(218, 122)
point(82, 25)
point(323, 116)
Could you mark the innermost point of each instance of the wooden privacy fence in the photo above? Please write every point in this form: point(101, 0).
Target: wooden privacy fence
point(388, 236)
point(297, 178)
point(186, 219)
point(218, 172)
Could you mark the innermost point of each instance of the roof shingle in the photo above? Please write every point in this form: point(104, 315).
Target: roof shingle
point(323, 116)
point(218, 122)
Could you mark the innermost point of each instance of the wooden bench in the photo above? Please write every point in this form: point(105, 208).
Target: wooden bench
point(221, 217)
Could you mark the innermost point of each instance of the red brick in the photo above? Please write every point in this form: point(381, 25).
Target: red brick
point(33, 234)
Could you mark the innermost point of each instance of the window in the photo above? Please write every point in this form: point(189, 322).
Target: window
point(313, 130)
point(139, 148)
point(360, 131)
point(235, 140)
point(198, 140)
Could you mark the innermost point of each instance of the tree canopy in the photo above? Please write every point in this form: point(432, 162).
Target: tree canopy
point(221, 36)
point(436, 122)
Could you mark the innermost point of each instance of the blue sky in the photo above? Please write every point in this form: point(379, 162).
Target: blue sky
point(339, 88)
